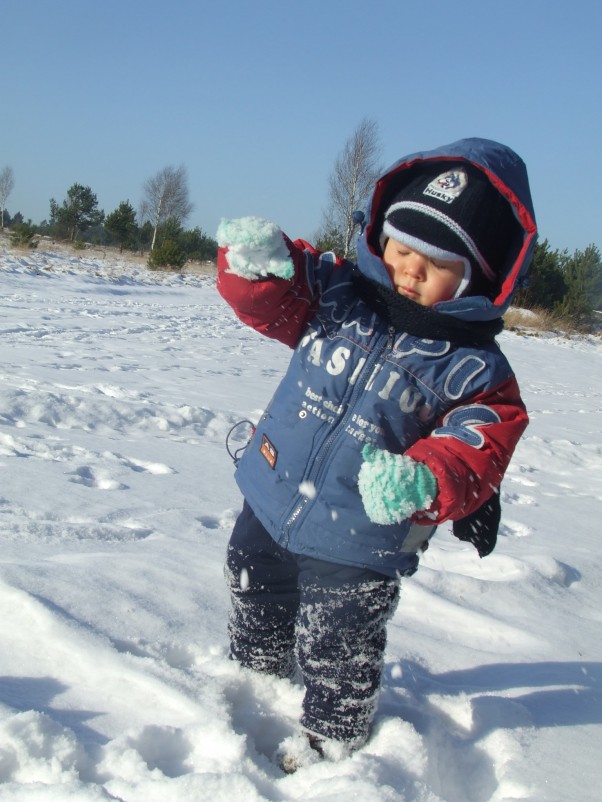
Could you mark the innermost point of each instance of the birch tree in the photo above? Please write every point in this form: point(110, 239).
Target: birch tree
point(7, 182)
point(352, 180)
point(165, 197)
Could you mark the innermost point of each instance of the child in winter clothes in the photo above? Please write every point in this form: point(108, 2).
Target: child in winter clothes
point(398, 412)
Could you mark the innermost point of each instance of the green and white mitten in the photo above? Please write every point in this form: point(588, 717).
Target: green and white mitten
point(256, 248)
point(393, 487)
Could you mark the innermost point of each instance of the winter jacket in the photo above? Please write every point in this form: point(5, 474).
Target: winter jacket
point(354, 378)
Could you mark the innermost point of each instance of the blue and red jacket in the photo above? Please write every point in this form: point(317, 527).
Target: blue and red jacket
point(354, 379)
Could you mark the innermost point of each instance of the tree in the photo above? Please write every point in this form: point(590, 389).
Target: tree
point(582, 273)
point(170, 229)
point(168, 254)
point(24, 235)
point(351, 182)
point(168, 250)
point(330, 238)
point(166, 196)
point(597, 293)
point(146, 233)
point(174, 246)
point(44, 228)
point(198, 245)
point(7, 182)
point(78, 212)
point(121, 226)
point(546, 284)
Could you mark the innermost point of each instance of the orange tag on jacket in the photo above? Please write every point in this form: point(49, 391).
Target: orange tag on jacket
point(269, 452)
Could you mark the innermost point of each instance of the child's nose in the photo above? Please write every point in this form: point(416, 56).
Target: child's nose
point(415, 265)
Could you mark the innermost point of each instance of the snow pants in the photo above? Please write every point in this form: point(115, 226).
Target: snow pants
point(330, 620)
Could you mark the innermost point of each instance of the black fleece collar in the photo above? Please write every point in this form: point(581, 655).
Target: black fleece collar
point(422, 321)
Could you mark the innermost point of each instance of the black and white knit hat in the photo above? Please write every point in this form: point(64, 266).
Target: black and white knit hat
point(453, 211)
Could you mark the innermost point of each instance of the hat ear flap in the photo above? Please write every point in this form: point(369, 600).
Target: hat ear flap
point(465, 282)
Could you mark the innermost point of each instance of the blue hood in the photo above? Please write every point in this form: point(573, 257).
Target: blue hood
point(507, 172)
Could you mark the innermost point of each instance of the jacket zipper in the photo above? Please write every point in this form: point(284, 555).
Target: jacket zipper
point(320, 457)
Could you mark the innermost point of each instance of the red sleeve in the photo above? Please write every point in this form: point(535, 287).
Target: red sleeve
point(470, 449)
point(276, 307)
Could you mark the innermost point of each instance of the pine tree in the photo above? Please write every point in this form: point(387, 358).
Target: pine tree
point(78, 212)
point(546, 284)
point(582, 273)
point(121, 226)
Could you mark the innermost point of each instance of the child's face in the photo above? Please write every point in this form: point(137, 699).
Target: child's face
point(420, 278)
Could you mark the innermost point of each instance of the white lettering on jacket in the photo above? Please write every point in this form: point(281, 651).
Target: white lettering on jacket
point(385, 380)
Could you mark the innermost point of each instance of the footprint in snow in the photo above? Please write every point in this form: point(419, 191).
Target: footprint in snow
point(264, 709)
point(224, 521)
point(141, 466)
point(61, 531)
point(90, 477)
point(175, 655)
point(518, 475)
point(163, 748)
point(511, 528)
point(518, 498)
point(554, 570)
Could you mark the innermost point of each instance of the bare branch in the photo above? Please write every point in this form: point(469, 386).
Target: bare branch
point(166, 196)
point(352, 179)
point(7, 182)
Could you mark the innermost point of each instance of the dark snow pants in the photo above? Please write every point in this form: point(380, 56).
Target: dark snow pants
point(331, 618)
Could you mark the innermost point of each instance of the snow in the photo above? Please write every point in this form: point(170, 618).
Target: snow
point(117, 497)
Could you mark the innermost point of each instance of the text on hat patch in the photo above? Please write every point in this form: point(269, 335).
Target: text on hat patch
point(448, 186)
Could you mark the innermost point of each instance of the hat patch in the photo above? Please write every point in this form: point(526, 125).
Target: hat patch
point(448, 186)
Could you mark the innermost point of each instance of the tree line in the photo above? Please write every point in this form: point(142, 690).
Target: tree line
point(565, 285)
point(568, 286)
point(157, 228)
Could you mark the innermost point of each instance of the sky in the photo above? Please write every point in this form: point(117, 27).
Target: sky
point(257, 99)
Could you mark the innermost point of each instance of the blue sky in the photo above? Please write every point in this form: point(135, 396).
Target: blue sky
point(257, 98)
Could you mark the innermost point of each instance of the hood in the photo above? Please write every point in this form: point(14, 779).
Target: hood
point(507, 172)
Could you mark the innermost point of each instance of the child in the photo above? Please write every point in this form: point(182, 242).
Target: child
point(398, 412)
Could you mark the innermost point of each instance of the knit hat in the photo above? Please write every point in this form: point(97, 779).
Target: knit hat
point(453, 211)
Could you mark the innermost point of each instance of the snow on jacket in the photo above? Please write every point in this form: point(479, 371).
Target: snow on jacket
point(354, 379)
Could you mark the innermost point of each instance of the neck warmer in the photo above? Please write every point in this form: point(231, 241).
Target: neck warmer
point(422, 321)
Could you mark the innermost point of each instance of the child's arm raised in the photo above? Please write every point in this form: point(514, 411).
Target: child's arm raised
point(263, 275)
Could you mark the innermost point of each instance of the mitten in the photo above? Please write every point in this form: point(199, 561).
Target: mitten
point(256, 247)
point(481, 526)
point(393, 487)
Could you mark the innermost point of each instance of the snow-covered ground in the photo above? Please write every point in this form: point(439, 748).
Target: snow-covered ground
point(116, 502)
